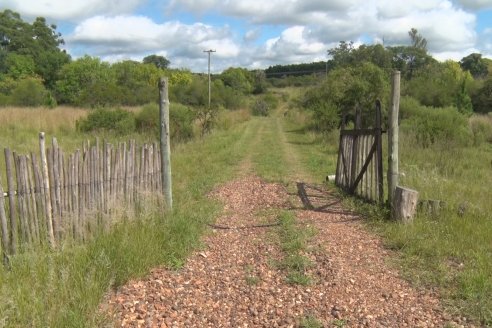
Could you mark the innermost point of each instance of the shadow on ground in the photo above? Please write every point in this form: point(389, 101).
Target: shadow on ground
point(317, 198)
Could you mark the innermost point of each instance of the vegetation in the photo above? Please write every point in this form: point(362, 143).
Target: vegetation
point(293, 242)
point(445, 150)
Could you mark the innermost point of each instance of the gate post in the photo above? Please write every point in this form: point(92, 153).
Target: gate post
point(393, 137)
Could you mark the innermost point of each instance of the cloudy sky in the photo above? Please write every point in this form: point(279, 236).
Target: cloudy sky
point(258, 33)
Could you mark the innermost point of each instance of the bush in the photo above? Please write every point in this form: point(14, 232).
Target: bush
point(29, 92)
point(481, 127)
point(325, 116)
point(181, 120)
point(118, 120)
point(435, 126)
point(264, 105)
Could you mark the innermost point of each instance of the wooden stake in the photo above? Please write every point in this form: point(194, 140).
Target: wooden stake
point(3, 222)
point(393, 136)
point(11, 192)
point(165, 143)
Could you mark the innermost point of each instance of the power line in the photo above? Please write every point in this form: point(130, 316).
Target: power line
point(209, 86)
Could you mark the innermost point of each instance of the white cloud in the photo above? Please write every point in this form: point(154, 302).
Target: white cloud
point(70, 9)
point(132, 37)
point(309, 27)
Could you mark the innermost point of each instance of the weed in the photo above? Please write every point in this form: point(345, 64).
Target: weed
point(310, 321)
point(339, 322)
point(293, 242)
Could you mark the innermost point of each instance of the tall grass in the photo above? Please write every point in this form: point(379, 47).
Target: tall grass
point(452, 250)
point(64, 288)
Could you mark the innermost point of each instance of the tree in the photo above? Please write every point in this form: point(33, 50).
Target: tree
point(475, 64)
point(77, 77)
point(482, 99)
point(37, 40)
point(158, 61)
point(346, 89)
point(238, 78)
point(19, 66)
point(418, 41)
point(342, 55)
point(441, 85)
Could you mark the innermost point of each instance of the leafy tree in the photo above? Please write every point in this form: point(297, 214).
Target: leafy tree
point(346, 89)
point(482, 99)
point(77, 77)
point(441, 85)
point(37, 40)
point(475, 64)
point(343, 54)
point(29, 92)
point(19, 66)
point(158, 61)
point(238, 78)
point(410, 59)
point(375, 54)
point(418, 41)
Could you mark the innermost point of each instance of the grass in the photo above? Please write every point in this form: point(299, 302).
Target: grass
point(451, 251)
point(294, 245)
point(64, 288)
point(310, 322)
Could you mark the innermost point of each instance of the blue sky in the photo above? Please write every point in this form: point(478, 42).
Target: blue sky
point(258, 33)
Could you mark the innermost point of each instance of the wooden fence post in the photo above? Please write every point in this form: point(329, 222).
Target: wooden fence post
point(404, 204)
point(165, 142)
point(46, 186)
point(393, 137)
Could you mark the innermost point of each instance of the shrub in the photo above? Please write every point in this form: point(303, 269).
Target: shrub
point(263, 105)
point(118, 120)
point(325, 116)
point(435, 126)
point(260, 108)
point(29, 92)
point(181, 120)
point(481, 127)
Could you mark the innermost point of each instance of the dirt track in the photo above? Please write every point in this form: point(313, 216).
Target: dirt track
point(233, 280)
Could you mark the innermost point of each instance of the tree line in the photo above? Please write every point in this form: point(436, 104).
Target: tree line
point(35, 70)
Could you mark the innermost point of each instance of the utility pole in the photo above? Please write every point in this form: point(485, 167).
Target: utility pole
point(209, 86)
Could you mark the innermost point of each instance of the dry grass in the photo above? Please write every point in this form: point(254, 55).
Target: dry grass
point(481, 126)
point(41, 118)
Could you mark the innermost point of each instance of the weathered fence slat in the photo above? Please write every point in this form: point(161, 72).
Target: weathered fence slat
point(11, 192)
point(3, 222)
point(69, 195)
point(359, 163)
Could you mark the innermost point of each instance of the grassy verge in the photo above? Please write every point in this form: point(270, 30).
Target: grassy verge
point(64, 289)
point(451, 251)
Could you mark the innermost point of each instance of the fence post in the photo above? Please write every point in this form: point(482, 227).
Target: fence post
point(393, 137)
point(165, 141)
point(46, 186)
point(11, 192)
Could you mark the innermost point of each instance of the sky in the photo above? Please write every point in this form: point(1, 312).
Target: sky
point(258, 33)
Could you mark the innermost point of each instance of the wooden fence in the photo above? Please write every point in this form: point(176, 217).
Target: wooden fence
point(359, 165)
point(57, 195)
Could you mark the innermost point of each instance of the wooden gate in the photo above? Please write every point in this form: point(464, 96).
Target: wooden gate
point(359, 164)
